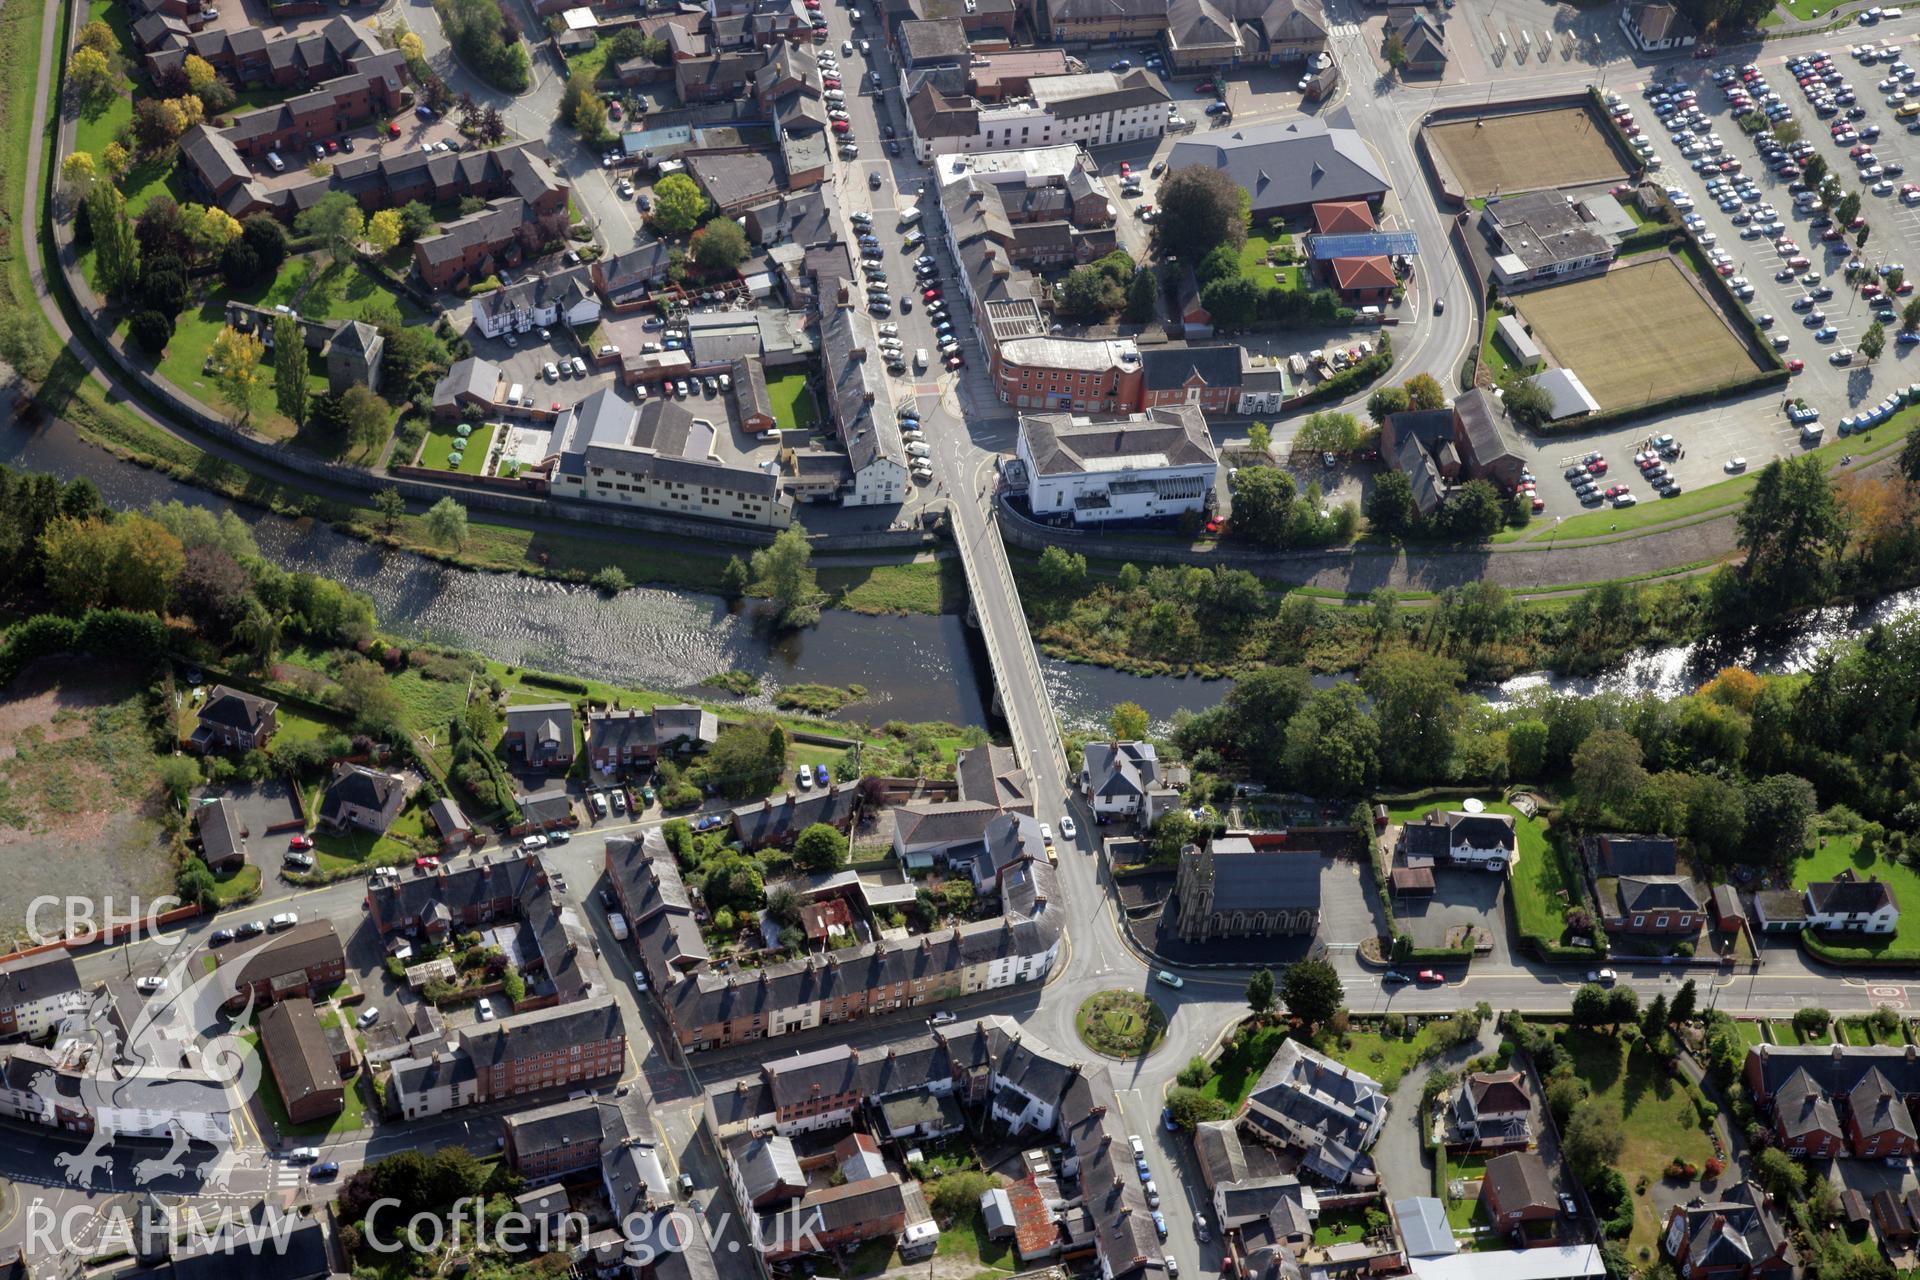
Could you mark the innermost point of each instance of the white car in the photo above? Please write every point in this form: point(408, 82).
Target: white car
point(941, 1018)
point(533, 843)
point(550, 372)
point(285, 920)
point(918, 451)
point(889, 330)
point(1068, 829)
point(369, 1016)
point(846, 47)
point(1735, 465)
point(147, 986)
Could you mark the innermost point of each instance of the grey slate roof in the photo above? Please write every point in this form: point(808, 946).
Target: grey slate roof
point(1168, 435)
point(235, 709)
point(1802, 1109)
point(1638, 855)
point(290, 1037)
point(471, 377)
point(551, 1128)
point(357, 785)
point(1170, 368)
point(34, 978)
point(543, 1031)
point(1287, 163)
point(1657, 893)
point(1848, 897)
point(1247, 879)
point(1519, 1180)
point(219, 827)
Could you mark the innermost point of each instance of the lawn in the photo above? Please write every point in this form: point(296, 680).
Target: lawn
point(1339, 1226)
point(1638, 333)
point(1725, 493)
point(968, 1240)
point(1386, 1059)
point(1526, 151)
point(1121, 1024)
point(444, 440)
point(353, 848)
point(593, 62)
point(229, 887)
point(793, 405)
point(1254, 265)
point(1750, 1031)
point(1536, 881)
point(1785, 1032)
point(1807, 10)
point(1837, 853)
point(1464, 1214)
point(1658, 1109)
point(1237, 1070)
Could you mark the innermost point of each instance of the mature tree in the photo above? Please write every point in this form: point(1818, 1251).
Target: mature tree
point(335, 220)
point(116, 255)
point(1171, 832)
point(1526, 749)
point(590, 118)
point(1790, 528)
point(1330, 432)
point(1386, 402)
point(1090, 294)
point(212, 589)
point(91, 74)
point(366, 417)
point(1256, 710)
point(235, 367)
point(151, 331)
point(1060, 570)
point(1780, 811)
point(1189, 1107)
point(78, 173)
point(1607, 768)
point(720, 246)
point(1143, 292)
point(1418, 694)
point(577, 90)
point(116, 160)
point(748, 759)
point(1233, 303)
point(1200, 207)
point(416, 219)
point(127, 563)
point(1332, 743)
point(1425, 392)
point(493, 126)
point(1390, 508)
point(99, 37)
point(1593, 1139)
point(1396, 51)
point(1312, 991)
point(1260, 991)
point(1127, 722)
point(447, 523)
point(1263, 505)
point(263, 233)
point(1623, 1006)
point(820, 848)
point(391, 506)
point(678, 205)
point(1780, 1174)
point(1475, 511)
point(201, 77)
point(1529, 402)
point(1848, 209)
point(734, 578)
point(1260, 438)
point(1653, 1022)
point(290, 369)
point(1589, 1005)
point(1873, 341)
point(208, 231)
point(785, 572)
point(383, 232)
point(1680, 1012)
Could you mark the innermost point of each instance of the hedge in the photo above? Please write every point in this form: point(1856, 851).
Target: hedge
point(1357, 378)
point(116, 633)
point(1858, 957)
point(566, 684)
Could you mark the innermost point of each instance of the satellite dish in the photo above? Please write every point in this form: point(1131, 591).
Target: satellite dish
point(1474, 806)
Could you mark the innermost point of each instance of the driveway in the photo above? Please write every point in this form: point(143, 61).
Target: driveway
point(1460, 897)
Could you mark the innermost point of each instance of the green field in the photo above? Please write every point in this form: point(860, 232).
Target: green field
point(1385, 1058)
point(442, 441)
point(1661, 1122)
point(792, 400)
point(1638, 333)
point(1837, 853)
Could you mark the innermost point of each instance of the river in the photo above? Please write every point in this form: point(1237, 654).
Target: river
point(913, 668)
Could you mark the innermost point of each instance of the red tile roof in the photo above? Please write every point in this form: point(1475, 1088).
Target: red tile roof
point(1034, 1227)
point(1363, 273)
point(1342, 217)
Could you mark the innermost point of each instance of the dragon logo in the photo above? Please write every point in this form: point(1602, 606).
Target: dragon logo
point(167, 1067)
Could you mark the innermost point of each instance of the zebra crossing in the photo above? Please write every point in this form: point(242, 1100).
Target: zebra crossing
point(1345, 29)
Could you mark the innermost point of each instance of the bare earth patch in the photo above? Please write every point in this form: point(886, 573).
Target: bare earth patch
point(79, 804)
point(1526, 151)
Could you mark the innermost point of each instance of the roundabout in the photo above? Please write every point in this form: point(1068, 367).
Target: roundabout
point(1120, 1024)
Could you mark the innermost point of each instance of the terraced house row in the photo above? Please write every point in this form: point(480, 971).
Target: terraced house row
point(709, 1009)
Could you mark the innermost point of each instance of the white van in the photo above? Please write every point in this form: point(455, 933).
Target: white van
point(909, 217)
point(513, 393)
point(920, 358)
point(278, 165)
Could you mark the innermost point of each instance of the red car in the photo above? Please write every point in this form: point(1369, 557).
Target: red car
point(1795, 366)
point(1615, 490)
point(1126, 170)
point(841, 126)
point(831, 82)
point(930, 294)
point(1906, 287)
point(956, 361)
point(1429, 976)
point(1598, 467)
point(1215, 525)
point(1539, 505)
point(300, 844)
point(426, 862)
point(1205, 86)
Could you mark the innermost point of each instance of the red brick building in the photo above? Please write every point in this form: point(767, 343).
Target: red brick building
point(288, 965)
point(1207, 376)
point(1068, 374)
point(548, 1049)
